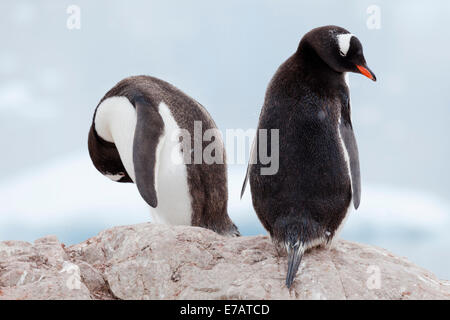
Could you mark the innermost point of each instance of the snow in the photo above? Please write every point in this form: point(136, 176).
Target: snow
point(67, 197)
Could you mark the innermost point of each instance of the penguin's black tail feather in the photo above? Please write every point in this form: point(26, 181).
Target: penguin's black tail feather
point(295, 255)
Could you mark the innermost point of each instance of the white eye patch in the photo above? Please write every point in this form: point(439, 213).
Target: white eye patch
point(344, 43)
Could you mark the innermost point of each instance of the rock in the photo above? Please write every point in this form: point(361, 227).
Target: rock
point(149, 261)
point(39, 271)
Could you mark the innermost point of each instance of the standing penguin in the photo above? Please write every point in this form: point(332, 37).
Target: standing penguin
point(305, 202)
point(135, 137)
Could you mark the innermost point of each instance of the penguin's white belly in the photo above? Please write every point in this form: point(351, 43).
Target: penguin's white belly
point(174, 199)
point(116, 122)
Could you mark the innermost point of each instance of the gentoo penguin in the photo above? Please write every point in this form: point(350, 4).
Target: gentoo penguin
point(135, 136)
point(305, 202)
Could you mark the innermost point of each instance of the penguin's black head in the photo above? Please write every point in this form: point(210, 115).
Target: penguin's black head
point(339, 49)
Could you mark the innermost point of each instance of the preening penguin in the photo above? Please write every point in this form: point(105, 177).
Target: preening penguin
point(136, 136)
point(306, 201)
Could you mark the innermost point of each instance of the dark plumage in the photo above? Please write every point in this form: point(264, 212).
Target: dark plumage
point(207, 182)
point(304, 203)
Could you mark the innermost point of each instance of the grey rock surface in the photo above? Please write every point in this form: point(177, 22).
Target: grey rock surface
point(149, 261)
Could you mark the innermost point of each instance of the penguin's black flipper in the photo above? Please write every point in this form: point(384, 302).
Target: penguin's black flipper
point(349, 140)
point(244, 185)
point(149, 129)
point(251, 161)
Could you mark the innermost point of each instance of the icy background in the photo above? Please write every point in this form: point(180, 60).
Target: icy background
point(223, 55)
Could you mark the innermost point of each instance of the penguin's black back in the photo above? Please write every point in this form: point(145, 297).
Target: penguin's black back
point(311, 191)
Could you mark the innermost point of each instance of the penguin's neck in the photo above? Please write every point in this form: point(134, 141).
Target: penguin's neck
point(314, 71)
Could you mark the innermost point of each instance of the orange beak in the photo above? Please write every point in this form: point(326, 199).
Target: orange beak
point(366, 71)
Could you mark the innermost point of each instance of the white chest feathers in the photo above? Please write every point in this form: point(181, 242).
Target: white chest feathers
point(172, 189)
point(115, 122)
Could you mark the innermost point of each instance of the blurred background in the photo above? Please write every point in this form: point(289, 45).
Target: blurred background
point(223, 54)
